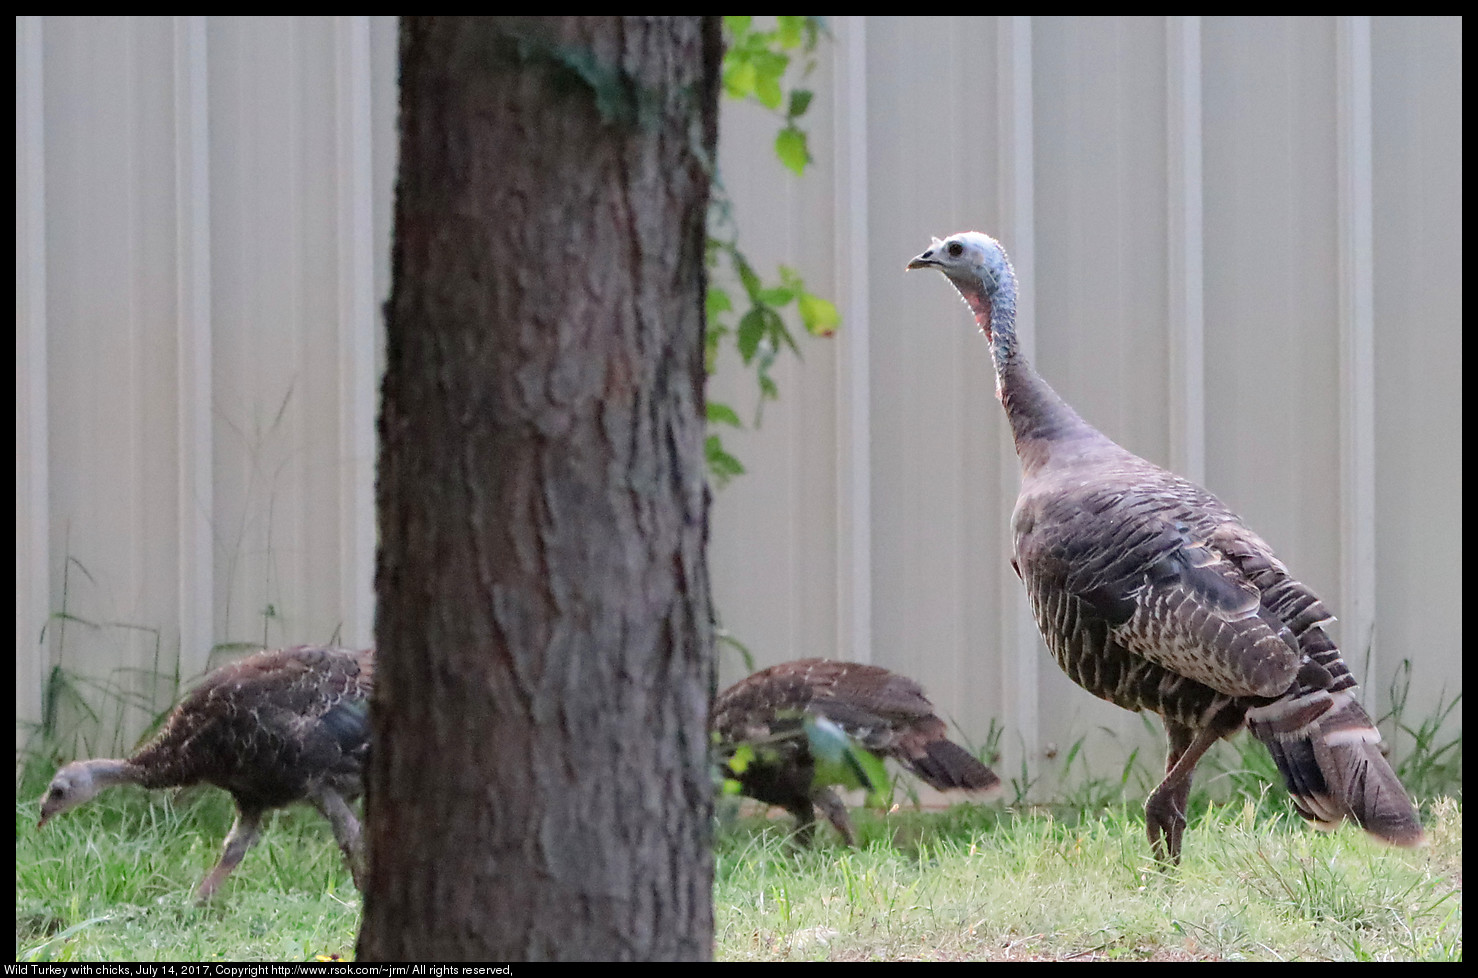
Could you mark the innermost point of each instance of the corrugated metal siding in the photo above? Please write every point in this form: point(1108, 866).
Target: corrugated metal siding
point(1240, 250)
point(1212, 229)
point(202, 332)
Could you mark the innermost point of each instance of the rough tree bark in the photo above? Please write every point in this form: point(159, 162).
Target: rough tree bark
point(539, 784)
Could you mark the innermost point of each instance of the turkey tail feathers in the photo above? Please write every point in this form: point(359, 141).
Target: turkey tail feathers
point(1328, 752)
point(946, 765)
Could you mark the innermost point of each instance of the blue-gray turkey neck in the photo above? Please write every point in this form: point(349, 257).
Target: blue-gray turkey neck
point(274, 728)
point(881, 711)
point(1153, 595)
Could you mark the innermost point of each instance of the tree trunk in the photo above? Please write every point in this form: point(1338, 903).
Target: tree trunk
point(539, 787)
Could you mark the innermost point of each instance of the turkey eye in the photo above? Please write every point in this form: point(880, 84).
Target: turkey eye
point(954, 248)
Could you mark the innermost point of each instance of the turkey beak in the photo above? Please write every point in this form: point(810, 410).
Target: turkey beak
point(923, 261)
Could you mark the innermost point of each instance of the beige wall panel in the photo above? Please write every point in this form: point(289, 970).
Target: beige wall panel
point(111, 411)
point(773, 551)
point(1272, 301)
point(275, 266)
point(1099, 89)
point(1418, 172)
point(32, 504)
point(881, 482)
point(938, 512)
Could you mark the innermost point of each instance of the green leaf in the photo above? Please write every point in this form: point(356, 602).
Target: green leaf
point(775, 334)
point(721, 464)
point(800, 101)
point(723, 414)
point(819, 315)
point(751, 281)
point(712, 339)
point(776, 296)
point(769, 69)
point(737, 27)
point(751, 331)
point(830, 743)
point(841, 760)
point(780, 333)
point(769, 63)
point(790, 30)
point(790, 146)
point(743, 757)
point(878, 775)
point(740, 79)
point(717, 301)
point(767, 90)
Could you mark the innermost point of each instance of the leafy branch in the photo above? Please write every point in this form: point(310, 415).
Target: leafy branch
point(755, 65)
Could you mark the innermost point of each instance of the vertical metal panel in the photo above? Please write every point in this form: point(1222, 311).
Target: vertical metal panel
point(773, 550)
point(937, 541)
point(1186, 277)
point(1238, 248)
point(1022, 650)
point(811, 430)
point(1100, 223)
point(1356, 271)
point(279, 378)
point(1417, 214)
point(1272, 340)
point(356, 328)
point(1101, 218)
point(854, 408)
point(131, 449)
point(385, 141)
point(195, 568)
point(32, 508)
point(112, 357)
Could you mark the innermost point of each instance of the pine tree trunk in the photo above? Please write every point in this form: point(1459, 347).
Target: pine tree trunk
point(539, 785)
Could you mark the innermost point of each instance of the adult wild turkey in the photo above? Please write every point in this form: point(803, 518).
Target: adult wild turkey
point(881, 711)
point(273, 728)
point(1153, 595)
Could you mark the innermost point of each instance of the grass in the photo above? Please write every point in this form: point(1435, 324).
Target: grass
point(977, 883)
point(114, 880)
